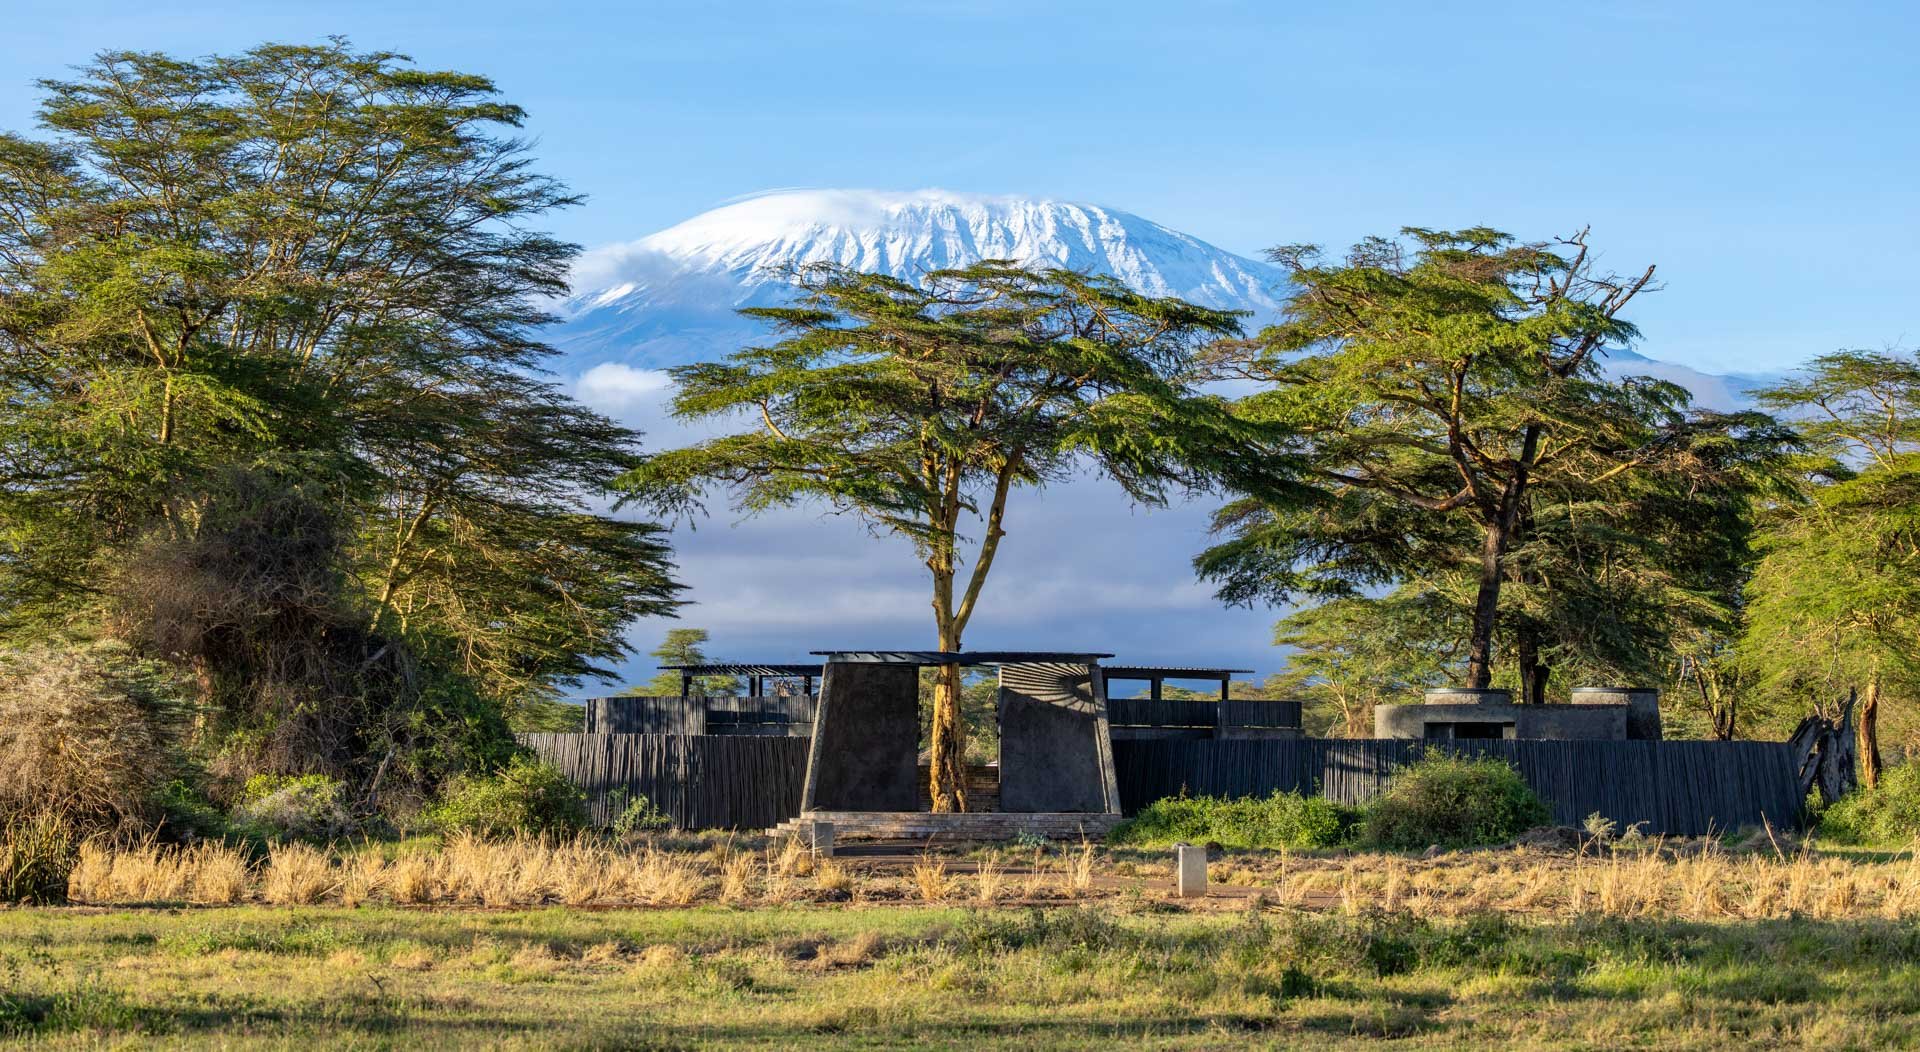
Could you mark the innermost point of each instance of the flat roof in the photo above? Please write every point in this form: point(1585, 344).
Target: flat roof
point(960, 657)
point(735, 669)
point(1168, 672)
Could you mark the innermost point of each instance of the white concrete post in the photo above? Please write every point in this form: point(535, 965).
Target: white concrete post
point(1190, 871)
point(821, 836)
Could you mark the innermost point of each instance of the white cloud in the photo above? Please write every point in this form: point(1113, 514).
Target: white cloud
point(616, 389)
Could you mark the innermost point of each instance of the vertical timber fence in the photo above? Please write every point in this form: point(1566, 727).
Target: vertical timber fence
point(1680, 788)
point(770, 714)
point(700, 781)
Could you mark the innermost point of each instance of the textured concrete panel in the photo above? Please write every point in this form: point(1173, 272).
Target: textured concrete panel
point(1054, 751)
point(866, 739)
point(1468, 696)
point(1550, 722)
point(1643, 707)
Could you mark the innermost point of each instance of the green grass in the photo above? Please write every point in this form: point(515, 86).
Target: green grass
point(887, 977)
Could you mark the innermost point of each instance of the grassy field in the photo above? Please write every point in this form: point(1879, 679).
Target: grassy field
point(886, 976)
point(686, 942)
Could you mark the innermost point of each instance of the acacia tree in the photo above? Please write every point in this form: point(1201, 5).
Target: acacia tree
point(315, 267)
point(1835, 600)
point(1350, 655)
point(684, 646)
point(1458, 433)
point(921, 407)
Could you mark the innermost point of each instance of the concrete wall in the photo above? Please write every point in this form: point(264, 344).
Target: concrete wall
point(1643, 707)
point(1552, 722)
point(866, 739)
point(1055, 753)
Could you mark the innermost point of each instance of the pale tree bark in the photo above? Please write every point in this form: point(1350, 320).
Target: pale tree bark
point(947, 747)
point(1870, 733)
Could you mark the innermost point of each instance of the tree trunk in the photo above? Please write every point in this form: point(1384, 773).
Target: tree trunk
point(1533, 672)
point(1870, 733)
point(1486, 606)
point(947, 749)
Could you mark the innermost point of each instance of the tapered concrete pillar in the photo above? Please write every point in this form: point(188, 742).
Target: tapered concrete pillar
point(1190, 871)
point(820, 838)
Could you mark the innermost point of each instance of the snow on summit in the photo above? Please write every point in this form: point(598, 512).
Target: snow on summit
point(670, 297)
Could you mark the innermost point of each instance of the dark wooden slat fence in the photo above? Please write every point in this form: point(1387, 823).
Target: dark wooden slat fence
point(702, 782)
point(633, 714)
point(1185, 713)
point(1685, 788)
point(1682, 788)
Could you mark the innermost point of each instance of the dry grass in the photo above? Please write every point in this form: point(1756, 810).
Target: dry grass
point(1652, 880)
point(221, 875)
point(298, 875)
point(1080, 869)
point(84, 733)
point(736, 878)
point(930, 877)
point(989, 877)
point(829, 875)
point(794, 859)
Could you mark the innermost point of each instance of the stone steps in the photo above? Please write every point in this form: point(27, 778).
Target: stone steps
point(981, 826)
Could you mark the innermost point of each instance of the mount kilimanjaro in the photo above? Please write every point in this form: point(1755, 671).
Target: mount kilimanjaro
point(670, 298)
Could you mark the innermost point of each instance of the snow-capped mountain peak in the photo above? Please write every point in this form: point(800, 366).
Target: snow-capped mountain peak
point(670, 297)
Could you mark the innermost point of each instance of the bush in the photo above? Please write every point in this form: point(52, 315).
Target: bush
point(1452, 801)
point(1283, 820)
point(36, 856)
point(303, 807)
point(87, 733)
point(1886, 814)
point(525, 796)
point(635, 815)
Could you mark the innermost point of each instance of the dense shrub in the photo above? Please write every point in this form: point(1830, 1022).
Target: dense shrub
point(87, 733)
point(36, 855)
point(304, 807)
point(1452, 801)
point(1283, 820)
point(1886, 814)
point(525, 796)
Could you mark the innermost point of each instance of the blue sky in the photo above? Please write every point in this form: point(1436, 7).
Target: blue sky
point(1761, 154)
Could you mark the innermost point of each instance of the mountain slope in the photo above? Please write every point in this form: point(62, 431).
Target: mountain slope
point(670, 298)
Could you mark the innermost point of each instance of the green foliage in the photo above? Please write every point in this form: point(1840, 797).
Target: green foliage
point(1453, 801)
point(526, 796)
point(188, 814)
point(37, 852)
point(1462, 441)
point(1886, 815)
point(684, 646)
point(1835, 602)
point(269, 350)
point(302, 807)
point(547, 716)
point(1282, 820)
point(635, 814)
point(1349, 655)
